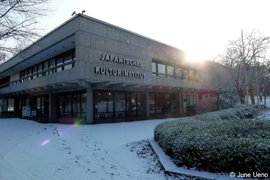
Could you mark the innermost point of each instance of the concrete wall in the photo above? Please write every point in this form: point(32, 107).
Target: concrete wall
point(95, 38)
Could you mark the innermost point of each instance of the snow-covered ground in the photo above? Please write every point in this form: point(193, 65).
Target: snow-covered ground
point(262, 102)
point(34, 151)
point(31, 151)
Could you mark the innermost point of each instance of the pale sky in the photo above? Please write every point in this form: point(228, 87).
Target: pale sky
point(201, 28)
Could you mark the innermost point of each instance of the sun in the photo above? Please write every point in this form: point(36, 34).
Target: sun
point(194, 56)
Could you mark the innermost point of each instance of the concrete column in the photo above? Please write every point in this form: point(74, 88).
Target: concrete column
point(180, 102)
point(89, 106)
point(184, 102)
point(53, 107)
point(146, 105)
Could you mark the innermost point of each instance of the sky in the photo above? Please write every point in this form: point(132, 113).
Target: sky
point(201, 28)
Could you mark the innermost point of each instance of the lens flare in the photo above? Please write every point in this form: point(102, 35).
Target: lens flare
point(45, 142)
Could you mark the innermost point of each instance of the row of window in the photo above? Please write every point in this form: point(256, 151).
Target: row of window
point(169, 71)
point(114, 104)
point(5, 82)
point(58, 63)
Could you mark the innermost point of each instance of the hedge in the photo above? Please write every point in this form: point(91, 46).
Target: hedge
point(218, 142)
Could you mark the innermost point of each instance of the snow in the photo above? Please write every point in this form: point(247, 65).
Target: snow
point(262, 102)
point(264, 115)
point(30, 150)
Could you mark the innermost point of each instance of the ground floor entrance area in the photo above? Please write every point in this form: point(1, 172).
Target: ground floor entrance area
point(98, 105)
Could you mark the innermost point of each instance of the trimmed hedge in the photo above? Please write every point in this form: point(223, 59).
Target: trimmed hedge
point(218, 142)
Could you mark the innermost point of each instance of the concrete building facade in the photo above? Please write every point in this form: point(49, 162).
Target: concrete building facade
point(96, 72)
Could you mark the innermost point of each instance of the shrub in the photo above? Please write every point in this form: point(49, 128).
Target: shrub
point(217, 142)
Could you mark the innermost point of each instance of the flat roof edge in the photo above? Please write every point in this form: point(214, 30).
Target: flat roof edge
point(126, 30)
point(93, 19)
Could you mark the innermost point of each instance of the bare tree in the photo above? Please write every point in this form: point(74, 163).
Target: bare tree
point(17, 23)
point(243, 55)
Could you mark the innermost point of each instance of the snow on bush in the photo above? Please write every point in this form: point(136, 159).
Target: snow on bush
point(218, 142)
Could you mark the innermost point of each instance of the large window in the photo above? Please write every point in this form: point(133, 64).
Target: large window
point(103, 105)
point(170, 71)
point(41, 105)
point(117, 105)
point(161, 70)
point(71, 105)
point(162, 103)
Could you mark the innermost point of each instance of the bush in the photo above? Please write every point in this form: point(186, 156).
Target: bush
point(217, 142)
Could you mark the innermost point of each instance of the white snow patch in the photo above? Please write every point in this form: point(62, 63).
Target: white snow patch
point(30, 150)
point(265, 115)
point(261, 102)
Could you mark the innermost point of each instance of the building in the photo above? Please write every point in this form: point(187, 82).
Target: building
point(217, 87)
point(93, 71)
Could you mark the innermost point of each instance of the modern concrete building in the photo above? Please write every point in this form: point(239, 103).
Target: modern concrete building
point(90, 70)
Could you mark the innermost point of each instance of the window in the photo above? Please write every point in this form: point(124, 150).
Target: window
point(83, 105)
point(188, 100)
point(195, 75)
point(29, 73)
point(34, 72)
point(154, 68)
point(131, 101)
point(67, 61)
point(45, 68)
point(117, 105)
point(170, 71)
point(140, 104)
point(59, 64)
point(185, 74)
point(39, 69)
point(72, 105)
point(10, 105)
point(68, 105)
point(103, 105)
point(191, 74)
point(152, 103)
point(161, 70)
point(51, 66)
point(41, 104)
point(76, 103)
point(178, 73)
point(162, 103)
point(5, 82)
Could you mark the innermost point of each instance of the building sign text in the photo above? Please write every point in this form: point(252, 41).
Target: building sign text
point(120, 60)
point(118, 72)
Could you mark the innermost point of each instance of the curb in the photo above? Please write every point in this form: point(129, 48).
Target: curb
point(170, 167)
